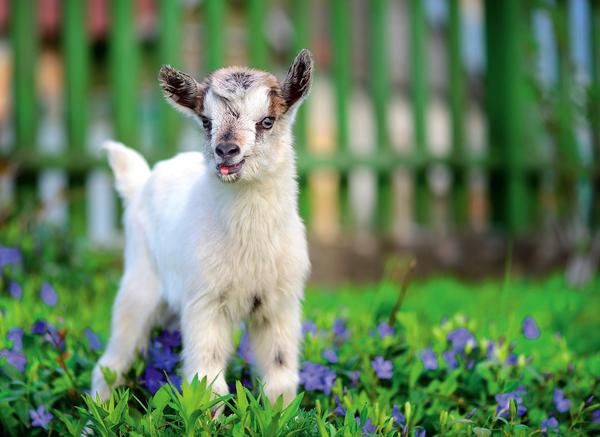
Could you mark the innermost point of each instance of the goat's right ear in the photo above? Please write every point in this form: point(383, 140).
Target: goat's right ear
point(181, 90)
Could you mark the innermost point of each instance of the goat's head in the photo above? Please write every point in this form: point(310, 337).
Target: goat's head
point(246, 114)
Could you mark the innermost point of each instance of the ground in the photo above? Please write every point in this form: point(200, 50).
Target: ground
point(509, 355)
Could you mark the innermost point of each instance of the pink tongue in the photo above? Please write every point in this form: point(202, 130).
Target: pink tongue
point(224, 170)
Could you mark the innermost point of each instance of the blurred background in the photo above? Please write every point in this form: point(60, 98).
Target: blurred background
point(464, 133)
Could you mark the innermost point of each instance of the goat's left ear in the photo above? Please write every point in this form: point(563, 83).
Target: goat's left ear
point(297, 83)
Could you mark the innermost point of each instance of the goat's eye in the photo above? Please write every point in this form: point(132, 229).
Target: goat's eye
point(206, 122)
point(267, 122)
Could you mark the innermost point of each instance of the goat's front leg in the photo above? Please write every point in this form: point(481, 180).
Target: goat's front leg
point(275, 337)
point(207, 343)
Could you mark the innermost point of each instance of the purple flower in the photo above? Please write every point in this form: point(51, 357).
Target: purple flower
point(170, 339)
point(531, 330)
point(330, 355)
point(491, 351)
point(15, 290)
point(471, 413)
point(398, 416)
point(368, 428)
point(163, 358)
point(153, 379)
point(244, 350)
point(339, 329)
point(10, 256)
point(460, 338)
point(589, 401)
point(383, 368)
point(385, 330)
point(511, 360)
point(316, 377)
point(15, 358)
point(420, 433)
point(309, 327)
point(40, 417)
point(429, 359)
point(93, 340)
point(561, 403)
point(354, 377)
point(450, 359)
point(504, 399)
point(48, 295)
point(15, 335)
point(596, 416)
point(339, 408)
point(549, 424)
point(175, 381)
point(40, 327)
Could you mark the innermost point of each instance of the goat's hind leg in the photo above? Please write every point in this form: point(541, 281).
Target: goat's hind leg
point(133, 315)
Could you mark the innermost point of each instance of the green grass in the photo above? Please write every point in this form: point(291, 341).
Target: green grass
point(446, 400)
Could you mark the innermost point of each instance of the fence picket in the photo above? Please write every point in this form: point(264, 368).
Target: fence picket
point(124, 75)
point(168, 52)
point(24, 40)
point(419, 95)
point(380, 89)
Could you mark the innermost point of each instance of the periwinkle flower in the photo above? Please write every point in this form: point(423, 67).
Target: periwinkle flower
point(339, 410)
point(420, 433)
point(316, 377)
point(40, 417)
point(153, 379)
point(460, 338)
point(531, 330)
point(398, 416)
point(40, 327)
point(309, 327)
point(244, 350)
point(383, 368)
point(163, 358)
point(367, 428)
point(354, 376)
point(450, 359)
point(429, 359)
point(15, 335)
point(330, 355)
point(15, 290)
point(48, 294)
point(93, 340)
point(596, 416)
point(385, 330)
point(503, 399)
point(10, 256)
point(511, 360)
point(339, 329)
point(561, 403)
point(549, 424)
point(170, 339)
point(15, 358)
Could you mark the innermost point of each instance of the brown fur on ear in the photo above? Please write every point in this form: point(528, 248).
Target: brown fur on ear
point(297, 83)
point(181, 89)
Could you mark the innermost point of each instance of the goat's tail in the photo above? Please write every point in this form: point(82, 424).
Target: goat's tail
point(130, 168)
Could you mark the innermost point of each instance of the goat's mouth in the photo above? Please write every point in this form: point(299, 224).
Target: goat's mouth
point(229, 172)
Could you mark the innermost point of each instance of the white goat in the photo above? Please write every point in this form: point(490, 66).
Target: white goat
point(215, 237)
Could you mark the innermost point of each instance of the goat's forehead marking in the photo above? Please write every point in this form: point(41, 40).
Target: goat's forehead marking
point(231, 82)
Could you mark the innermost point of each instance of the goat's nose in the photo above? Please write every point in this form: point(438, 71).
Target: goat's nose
point(227, 150)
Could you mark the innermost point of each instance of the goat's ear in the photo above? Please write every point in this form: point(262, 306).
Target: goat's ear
point(181, 90)
point(297, 83)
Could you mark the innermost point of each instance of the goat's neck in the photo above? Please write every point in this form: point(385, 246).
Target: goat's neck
point(258, 205)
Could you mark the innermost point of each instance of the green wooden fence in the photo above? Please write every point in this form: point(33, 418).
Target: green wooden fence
point(514, 162)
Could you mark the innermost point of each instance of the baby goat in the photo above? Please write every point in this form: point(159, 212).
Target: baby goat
point(215, 237)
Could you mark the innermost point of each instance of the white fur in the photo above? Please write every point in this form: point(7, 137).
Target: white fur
point(206, 249)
